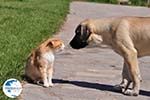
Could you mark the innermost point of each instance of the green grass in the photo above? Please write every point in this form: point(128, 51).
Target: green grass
point(23, 25)
point(133, 2)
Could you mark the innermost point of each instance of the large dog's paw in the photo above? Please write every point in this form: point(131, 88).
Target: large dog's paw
point(122, 86)
point(118, 88)
point(131, 92)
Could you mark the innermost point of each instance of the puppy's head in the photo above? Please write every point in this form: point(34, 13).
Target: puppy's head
point(84, 35)
point(55, 44)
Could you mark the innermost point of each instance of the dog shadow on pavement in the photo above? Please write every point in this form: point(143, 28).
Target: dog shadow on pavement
point(102, 87)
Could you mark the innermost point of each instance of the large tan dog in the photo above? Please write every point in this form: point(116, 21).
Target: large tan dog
point(128, 36)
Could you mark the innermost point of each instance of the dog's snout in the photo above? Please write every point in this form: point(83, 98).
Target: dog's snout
point(78, 44)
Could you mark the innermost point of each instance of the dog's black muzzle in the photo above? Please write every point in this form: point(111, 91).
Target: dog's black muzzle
point(80, 39)
point(77, 43)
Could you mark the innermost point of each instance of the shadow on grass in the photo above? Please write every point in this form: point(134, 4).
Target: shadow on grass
point(103, 87)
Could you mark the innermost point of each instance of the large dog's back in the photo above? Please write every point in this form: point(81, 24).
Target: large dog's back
point(139, 31)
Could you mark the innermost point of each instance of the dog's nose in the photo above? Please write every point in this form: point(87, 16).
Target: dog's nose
point(74, 45)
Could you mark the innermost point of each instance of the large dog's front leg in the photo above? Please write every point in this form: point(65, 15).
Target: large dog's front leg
point(126, 79)
point(134, 72)
point(129, 54)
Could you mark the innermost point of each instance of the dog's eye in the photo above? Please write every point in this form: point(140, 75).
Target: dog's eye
point(78, 32)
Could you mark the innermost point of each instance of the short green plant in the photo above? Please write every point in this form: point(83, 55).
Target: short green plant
point(133, 2)
point(23, 25)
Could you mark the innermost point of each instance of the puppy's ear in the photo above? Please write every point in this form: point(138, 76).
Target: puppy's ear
point(50, 44)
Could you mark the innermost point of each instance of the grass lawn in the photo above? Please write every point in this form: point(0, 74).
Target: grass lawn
point(23, 25)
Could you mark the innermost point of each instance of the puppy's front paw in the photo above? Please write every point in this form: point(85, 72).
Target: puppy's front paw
point(46, 85)
point(131, 92)
point(51, 84)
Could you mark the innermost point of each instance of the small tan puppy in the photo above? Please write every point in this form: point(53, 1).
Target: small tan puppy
point(39, 66)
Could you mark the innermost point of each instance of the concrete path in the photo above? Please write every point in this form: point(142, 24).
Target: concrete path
point(89, 73)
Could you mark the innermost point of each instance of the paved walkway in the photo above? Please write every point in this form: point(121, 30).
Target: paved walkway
point(89, 73)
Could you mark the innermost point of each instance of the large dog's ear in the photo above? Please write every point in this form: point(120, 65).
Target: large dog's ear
point(94, 37)
point(91, 28)
point(83, 32)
